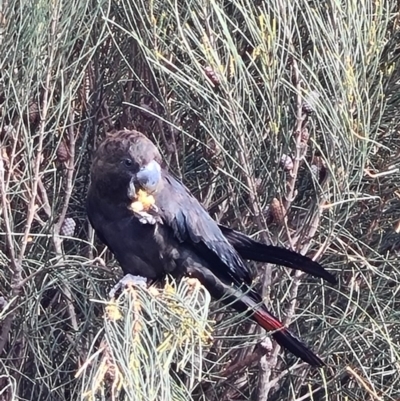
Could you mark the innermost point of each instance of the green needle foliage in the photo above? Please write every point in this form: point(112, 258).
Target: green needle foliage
point(152, 345)
point(282, 117)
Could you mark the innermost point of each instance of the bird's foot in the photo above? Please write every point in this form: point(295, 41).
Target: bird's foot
point(154, 208)
point(145, 209)
point(126, 281)
point(146, 218)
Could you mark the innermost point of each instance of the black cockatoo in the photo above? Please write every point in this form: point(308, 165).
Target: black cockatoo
point(154, 226)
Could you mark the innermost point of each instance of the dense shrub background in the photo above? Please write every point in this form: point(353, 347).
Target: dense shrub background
point(282, 118)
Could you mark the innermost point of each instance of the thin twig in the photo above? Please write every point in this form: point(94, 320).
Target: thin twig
point(266, 365)
point(15, 267)
point(57, 241)
point(249, 360)
point(364, 384)
point(68, 188)
point(16, 262)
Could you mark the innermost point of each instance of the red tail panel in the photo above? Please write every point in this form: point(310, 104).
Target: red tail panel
point(285, 338)
point(267, 321)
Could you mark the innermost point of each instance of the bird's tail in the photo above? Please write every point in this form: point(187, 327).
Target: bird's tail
point(250, 302)
point(283, 336)
point(254, 250)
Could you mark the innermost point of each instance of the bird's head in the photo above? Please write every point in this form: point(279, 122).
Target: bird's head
point(125, 162)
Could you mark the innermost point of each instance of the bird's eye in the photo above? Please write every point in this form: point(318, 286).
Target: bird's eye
point(128, 162)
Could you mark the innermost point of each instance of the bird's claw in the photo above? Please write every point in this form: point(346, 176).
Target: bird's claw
point(154, 208)
point(126, 281)
point(146, 218)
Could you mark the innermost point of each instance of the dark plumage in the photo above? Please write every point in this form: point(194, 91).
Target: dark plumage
point(177, 236)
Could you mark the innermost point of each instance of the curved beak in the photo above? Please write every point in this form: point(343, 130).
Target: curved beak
point(149, 176)
point(131, 189)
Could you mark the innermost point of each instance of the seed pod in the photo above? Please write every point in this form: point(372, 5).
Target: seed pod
point(318, 169)
point(305, 135)
point(68, 227)
point(286, 162)
point(212, 75)
point(33, 113)
point(32, 116)
point(3, 302)
point(63, 152)
point(266, 345)
point(259, 186)
point(147, 111)
point(397, 227)
point(213, 154)
point(278, 211)
point(310, 102)
point(315, 171)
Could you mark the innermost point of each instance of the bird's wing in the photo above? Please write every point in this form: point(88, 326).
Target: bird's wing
point(191, 224)
point(251, 304)
point(254, 250)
